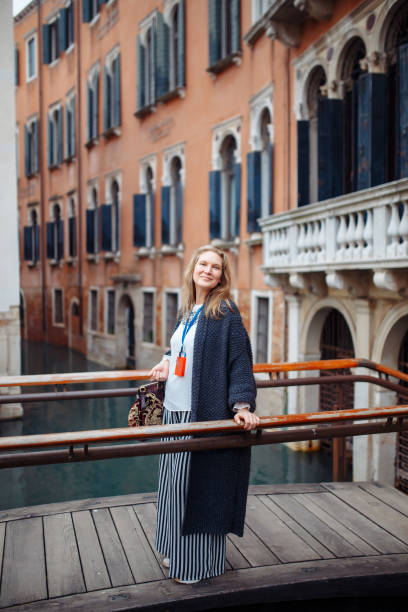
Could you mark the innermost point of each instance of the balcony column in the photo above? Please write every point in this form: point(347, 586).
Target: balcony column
point(362, 445)
point(294, 303)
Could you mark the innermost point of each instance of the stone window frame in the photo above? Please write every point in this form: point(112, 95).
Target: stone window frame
point(115, 176)
point(150, 161)
point(91, 330)
point(165, 331)
point(56, 323)
point(31, 35)
point(255, 295)
point(108, 290)
point(153, 292)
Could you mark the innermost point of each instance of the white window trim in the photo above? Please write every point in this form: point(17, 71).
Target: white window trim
point(168, 155)
point(28, 125)
point(105, 312)
point(263, 99)
point(166, 291)
point(58, 200)
point(30, 36)
point(69, 98)
point(146, 24)
point(254, 319)
point(54, 323)
point(91, 331)
point(51, 111)
point(109, 179)
point(229, 127)
point(92, 80)
point(152, 290)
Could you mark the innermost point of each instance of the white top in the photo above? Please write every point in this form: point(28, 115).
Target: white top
point(178, 388)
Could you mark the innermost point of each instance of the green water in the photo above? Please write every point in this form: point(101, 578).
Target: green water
point(29, 486)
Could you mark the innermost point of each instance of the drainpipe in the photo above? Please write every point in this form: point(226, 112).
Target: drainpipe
point(41, 172)
point(79, 167)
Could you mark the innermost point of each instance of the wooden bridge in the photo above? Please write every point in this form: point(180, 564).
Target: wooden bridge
point(334, 540)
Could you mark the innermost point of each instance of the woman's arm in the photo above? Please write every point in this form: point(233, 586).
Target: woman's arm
point(161, 370)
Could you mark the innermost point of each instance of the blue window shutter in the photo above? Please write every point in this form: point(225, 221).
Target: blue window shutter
point(89, 113)
point(117, 226)
point(154, 60)
point(165, 215)
point(67, 131)
point(303, 163)
point(162, 72)
point(106, 99)
point(27, 163)
point(215, 204)
point(181, 61)
point(152, 225)
point(50, 240)
point(95, 107)
point(214, 29)
point(35, 160)
point(236, 25)
point(28, 243)
point(16, 67)
point(36, 243)
point(50, 154)
point(60, 239)
point(141, 96)
point(86, 11)
point(60, 137)
point(323, 149)
point(371, 130)
point(62, 30)
point(72, 237)
point(139, 220)
point(116, 88)
point(90, 231)
point(73, 127)
point(336, 144)
point(271, 178)
point(179, 212)
point(254, 190)
point(236, 213)
point(403, 109)
point(106, 226)
point(46, 41)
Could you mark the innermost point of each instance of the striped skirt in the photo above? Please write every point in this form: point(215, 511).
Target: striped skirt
point(195, 556)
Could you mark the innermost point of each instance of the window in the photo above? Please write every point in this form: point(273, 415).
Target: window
point(55, 137)
point(174, 46)
point(55, 235)
point(51, 42)
point(93, 310)
point(143, 212)
point(224, 32)
point(31, 57)
point(260, 173)
point(148, 316)
point(69, 24)
point(31, 147)
point(261, 327)
point(70, 141)
point(170, 314)
point(16, 66)
point(91, 9)
point(110, 311)
point(172, 206)
point(92, 101)
point(110, 221)
point(58, 313)
point(32, 239)
point(92, 222)
point(111, 92)
point(72, 243)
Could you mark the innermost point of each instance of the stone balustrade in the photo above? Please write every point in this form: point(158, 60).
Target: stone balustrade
point(364, 229)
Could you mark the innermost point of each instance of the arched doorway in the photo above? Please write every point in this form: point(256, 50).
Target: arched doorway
point(401, 460)
point(126, 333)
point(336, 343)
point(73, 322)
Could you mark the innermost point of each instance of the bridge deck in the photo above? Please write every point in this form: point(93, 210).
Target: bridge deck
point(301, 541)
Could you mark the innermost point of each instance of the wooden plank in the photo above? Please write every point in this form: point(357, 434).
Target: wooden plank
point(64, 573)
point(253, 549)
point(146, 513)
point(311, 502)
point(373, 508)
point(115, 558)
point(93, 564)
point(330, 578)
point(76, 506)
point(286, 545)
point(2, 536)
point(296, 528)
point(389, 495)
point(374, 535)
point(276, 489)
point(140, 556)
point(320, 530)
point(23, 576)
point(235, 559)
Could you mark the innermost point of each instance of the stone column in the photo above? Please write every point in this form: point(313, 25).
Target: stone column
point(362, 445)
point(293, 348)
point(9, 263)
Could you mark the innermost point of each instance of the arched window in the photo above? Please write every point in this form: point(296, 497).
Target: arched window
point(32, 239)
point(115, 217)
point(149, 208)
point(176, 202)
point(92, 214)
point(314, 97)
point(266, 164)
point(396, 48)
point(351, 73)
point(72, 246)
point(228, 190)
point(55, 235)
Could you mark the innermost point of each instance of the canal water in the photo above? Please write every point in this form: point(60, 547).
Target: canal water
point(29, 486)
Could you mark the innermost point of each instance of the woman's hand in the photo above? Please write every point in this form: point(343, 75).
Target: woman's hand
point(160, 371)
point(246, 418)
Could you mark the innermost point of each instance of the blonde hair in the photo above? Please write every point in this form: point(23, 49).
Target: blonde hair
point(212, 304)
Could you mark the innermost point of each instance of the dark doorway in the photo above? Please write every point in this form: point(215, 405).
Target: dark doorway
point(401, 460)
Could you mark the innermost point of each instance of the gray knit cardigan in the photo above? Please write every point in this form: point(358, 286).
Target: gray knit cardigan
point(222, 375)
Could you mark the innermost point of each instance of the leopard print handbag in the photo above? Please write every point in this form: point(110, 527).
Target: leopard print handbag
point(148, 407)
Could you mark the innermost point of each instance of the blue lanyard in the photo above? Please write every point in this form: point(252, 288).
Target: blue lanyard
point(188, 325)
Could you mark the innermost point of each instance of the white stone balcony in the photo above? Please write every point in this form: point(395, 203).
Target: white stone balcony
point(366, 229)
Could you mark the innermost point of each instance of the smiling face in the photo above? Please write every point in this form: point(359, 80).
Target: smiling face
point(207, 273)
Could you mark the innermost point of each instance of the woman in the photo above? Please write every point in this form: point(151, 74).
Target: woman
point(202, 495)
